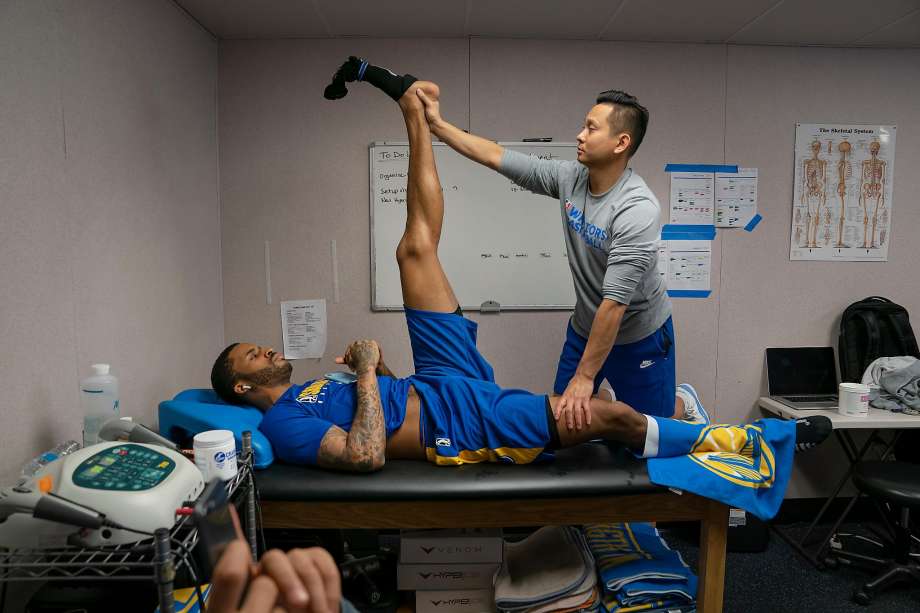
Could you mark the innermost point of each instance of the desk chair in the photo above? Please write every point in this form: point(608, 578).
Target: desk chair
point(895, 488)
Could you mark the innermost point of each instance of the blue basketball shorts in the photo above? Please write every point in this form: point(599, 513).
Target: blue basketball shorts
point(641, 373)
point(465, 416)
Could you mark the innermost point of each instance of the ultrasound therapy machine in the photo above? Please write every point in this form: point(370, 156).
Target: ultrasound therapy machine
point(113, 492)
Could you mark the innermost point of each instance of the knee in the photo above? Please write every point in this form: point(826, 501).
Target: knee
point(415, 246)
point(614, 415)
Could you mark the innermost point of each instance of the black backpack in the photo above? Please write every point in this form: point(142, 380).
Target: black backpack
point(872, 328)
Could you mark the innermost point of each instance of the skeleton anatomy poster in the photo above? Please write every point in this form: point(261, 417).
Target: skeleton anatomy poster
point(842, 204)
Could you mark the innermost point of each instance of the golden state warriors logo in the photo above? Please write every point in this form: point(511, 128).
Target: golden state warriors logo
point(736, 453)
point(312, 392)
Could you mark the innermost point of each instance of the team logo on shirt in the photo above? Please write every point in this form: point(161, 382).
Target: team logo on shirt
point(312, 393)
point(592, 235)
point(752, 466)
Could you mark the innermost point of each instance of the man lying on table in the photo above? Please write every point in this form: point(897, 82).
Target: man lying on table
point(451, 411)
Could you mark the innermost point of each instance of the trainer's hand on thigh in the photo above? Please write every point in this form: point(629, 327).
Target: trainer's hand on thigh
point(307, 579)
point(575, 404)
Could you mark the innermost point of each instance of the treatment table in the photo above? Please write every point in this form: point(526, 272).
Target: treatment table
point(591, 483)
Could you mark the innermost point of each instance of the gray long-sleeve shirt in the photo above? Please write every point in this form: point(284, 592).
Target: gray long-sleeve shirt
point(611, 238)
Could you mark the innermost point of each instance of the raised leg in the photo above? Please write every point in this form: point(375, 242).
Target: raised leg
point(424, 284)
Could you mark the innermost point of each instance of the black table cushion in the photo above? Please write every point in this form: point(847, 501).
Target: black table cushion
point(897, 482)
point(591, 469)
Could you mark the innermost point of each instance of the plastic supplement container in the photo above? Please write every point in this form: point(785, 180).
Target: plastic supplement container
point(853, 400)
point(215, 454)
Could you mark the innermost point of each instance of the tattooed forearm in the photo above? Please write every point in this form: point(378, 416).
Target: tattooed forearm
point(366, 444)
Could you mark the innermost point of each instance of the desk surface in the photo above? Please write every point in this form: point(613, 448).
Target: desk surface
point(877, 418)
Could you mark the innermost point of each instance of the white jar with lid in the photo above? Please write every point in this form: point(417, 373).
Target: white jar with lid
point(215, 454)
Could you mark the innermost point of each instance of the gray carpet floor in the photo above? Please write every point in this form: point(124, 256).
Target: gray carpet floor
point(780, 580)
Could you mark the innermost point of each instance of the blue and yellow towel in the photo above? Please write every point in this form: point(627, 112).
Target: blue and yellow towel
point(186, 599)
point(747, 467)
point(638, 570)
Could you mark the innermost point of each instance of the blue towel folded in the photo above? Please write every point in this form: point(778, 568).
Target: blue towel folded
point(638, 570)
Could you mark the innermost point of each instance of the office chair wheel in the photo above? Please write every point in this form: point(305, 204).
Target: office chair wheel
point(831, 562)
point(862, 597)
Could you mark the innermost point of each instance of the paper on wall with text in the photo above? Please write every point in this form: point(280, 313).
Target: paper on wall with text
point(692, 198)
point(303, 328)
point(686, 264)
point(736, 197)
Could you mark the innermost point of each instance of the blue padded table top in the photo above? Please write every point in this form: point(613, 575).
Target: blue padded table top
point(592, 469)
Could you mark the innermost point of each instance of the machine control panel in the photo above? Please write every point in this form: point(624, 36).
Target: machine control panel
point(126, 467)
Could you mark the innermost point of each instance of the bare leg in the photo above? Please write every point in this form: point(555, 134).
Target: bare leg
point(614, 421)
point(424, 284)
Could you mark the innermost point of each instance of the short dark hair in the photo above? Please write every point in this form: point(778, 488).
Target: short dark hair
point(627, 115)
point(223, 377)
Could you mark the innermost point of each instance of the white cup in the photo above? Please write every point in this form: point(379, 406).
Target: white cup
point(215, 454)
point(854, 400)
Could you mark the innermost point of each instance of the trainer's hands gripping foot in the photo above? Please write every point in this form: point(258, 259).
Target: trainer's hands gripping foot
point(359, 69)
point(432, 106)
point(575, 404)
point(811, 432)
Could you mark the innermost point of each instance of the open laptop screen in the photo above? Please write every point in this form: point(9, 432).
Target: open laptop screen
point(801, 370)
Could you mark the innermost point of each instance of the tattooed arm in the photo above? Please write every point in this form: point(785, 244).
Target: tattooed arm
point(362, 448)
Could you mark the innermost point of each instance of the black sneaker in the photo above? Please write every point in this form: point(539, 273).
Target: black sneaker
point(811, 431)
point(346, 73)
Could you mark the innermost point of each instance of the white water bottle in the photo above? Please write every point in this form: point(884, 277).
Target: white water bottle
point(99, 399)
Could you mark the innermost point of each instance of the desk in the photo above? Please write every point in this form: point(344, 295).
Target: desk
point(877, 419)
point(590, 483)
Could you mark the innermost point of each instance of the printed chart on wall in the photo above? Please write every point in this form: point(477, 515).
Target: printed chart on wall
point(842, 202)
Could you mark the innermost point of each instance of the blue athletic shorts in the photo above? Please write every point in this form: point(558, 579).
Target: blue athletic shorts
point(641, 373)
point(465, 416)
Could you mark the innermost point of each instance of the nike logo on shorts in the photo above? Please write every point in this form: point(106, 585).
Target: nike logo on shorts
point(646, 363)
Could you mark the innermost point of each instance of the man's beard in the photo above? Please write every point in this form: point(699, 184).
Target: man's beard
point(272, 375)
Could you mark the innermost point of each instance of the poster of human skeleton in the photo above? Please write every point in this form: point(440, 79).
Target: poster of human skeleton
point(841, 208)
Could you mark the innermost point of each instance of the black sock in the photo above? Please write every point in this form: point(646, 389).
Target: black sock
point(393, 85)
point(357, 69)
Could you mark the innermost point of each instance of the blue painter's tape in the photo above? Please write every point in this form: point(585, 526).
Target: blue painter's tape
point(689, 293)
point(688, 232)
point(753, 223)
point(700, 168)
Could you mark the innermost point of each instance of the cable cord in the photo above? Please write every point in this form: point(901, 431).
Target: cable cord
point(187, 554)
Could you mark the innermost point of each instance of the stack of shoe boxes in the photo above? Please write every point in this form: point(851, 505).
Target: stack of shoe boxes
point(451, 571)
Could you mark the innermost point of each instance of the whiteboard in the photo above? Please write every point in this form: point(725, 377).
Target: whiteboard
point(499, 243)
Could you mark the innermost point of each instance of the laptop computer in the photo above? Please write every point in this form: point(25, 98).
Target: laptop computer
point(802, 377)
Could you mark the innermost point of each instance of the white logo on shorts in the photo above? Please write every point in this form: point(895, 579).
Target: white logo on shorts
point(442, 442)
point(646, 363)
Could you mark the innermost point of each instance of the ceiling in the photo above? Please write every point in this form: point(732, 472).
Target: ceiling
point(850, 23)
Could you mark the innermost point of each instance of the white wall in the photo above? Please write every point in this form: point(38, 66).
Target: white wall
point(109, 214)
point(294, 172)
